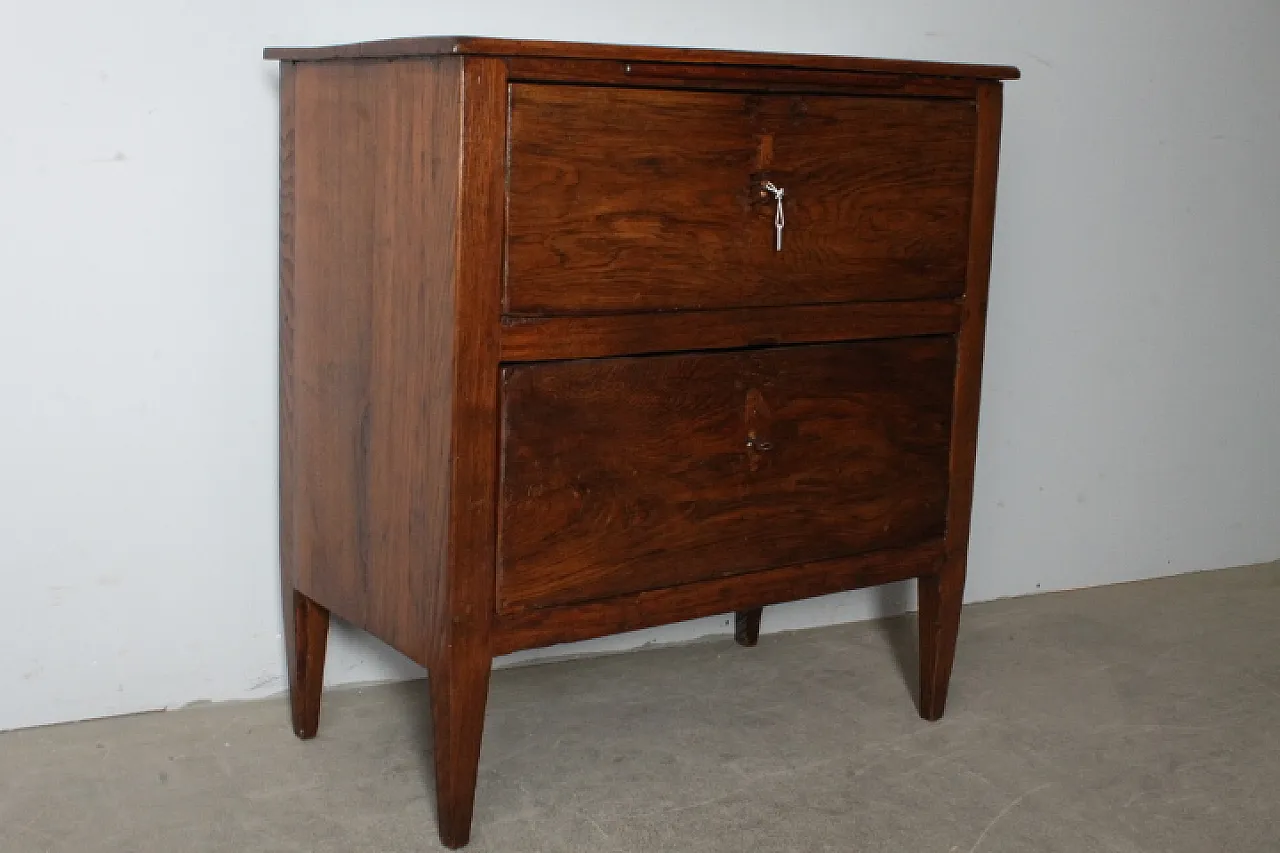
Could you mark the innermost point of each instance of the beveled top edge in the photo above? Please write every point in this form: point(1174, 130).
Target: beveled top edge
point(402, 48)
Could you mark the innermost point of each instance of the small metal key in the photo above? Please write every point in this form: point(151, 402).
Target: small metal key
point(779, 219)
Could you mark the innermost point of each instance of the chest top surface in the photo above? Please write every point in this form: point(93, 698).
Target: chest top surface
point(403, 48)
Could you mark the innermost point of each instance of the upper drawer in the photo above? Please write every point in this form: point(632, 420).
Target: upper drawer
point(640, 200)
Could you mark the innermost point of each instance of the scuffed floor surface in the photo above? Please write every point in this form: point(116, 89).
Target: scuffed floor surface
point(1143, 717)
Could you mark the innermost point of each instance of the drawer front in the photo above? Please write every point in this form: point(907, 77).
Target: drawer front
point(626, 474)
point(638, 199)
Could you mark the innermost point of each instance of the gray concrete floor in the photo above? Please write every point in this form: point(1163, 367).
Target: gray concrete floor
point(1142, 717)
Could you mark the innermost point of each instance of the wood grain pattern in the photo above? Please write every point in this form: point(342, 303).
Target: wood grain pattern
point(373, 338)
point(659, 75)
point(306, 624)
point(460, 673)
point(646, 414)
point(598, 336)
point(630, 200)
point(942, 595)
point(306, 637)
point(412, 388)
point(482, 46)
point(628, 474)
point(394, 318)
point(746, 626)
point(530, 629)
point(330, 324)
point(288, 434)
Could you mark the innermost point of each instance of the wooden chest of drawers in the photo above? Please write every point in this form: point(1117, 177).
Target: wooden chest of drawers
point(579, 339)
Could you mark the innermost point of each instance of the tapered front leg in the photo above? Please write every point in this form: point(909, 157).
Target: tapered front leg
point(940, 598)
point(746, 626)
point(941, 594)
point(459, 690)
point(306, 633)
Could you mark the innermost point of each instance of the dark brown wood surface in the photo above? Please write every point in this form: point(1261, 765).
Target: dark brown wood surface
point(459, 675)
point(288, 404)
point(390, 406)
point(626, 200)
point(746, 626)
point(665, 419)
point(373, 339)
point(621, 475)
point(325, 384)
point(482, 46)
point(306, 623)
point(541, 338)
point(942, 595)
point(662, 75)
point(306, 638)
point(547, 626)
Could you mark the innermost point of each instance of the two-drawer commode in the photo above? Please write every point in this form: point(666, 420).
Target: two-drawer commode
point(578, 339)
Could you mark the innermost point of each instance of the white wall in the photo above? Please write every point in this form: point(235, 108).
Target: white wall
point(1131, 405)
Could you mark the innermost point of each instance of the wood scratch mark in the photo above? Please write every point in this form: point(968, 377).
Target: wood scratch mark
point(1004, 811)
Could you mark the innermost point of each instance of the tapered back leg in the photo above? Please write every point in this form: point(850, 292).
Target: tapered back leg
point(306, 631)
point(746, 626)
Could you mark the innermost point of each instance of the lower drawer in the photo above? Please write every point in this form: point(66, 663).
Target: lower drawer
point(628, 474)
